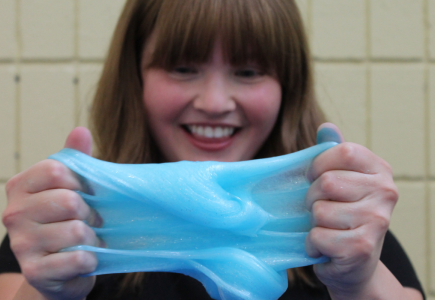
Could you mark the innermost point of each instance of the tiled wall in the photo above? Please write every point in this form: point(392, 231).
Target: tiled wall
point(375, 72)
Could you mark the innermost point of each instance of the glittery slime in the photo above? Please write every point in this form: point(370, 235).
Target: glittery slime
point(234, 226)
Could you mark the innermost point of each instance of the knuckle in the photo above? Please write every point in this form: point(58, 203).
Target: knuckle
point(84, 260)
point(80, 232)
point(11, 185)
point(327, 183)
point(11, 216)
point(20, 245)
point(348, 153)
point(382, 221)
point(364, 246)
point(315, 235)
point(391, 192)
point(54, 170)
point(30, 271)
point(71, 204)
point(318, 211)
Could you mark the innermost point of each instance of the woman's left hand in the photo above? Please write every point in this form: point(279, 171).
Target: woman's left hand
point(351, 200)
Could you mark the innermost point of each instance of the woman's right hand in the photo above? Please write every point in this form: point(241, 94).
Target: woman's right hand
point(45, 215)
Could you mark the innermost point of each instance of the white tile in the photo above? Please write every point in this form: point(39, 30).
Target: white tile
point(47, 110)
point(3, 203)
point(397, 29)
point(47, 28)
point(341, 90)
point(88, 79)
point(97, 20)
point(7, 121)
point(398, 117)
point(339, 29)
point(8, 43)
point(408, 224)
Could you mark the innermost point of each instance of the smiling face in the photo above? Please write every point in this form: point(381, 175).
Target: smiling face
point(209, 111)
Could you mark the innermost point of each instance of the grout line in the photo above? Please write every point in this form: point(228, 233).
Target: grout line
point(76, 62)
point(368, 78)
point(53, 61)
point(18, 82)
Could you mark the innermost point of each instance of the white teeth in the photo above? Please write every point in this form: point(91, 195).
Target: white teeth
point(211, 132)
point(208, 132)
point(218, 132)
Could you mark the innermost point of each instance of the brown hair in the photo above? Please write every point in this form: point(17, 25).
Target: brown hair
point(268, 32)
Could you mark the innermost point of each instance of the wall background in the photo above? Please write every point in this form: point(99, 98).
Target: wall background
point(375, 71)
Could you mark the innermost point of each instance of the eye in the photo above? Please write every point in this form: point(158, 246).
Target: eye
point(185, 70)
point(248, 73)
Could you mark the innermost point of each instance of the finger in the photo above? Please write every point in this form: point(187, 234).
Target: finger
point(57, 236)
point(80, 139)
point(350, 157)
point(348, 216)
point(343, 186)
point(45, 175)
point(332, 243)
point(60, 205)
point(60, 266)
point(328, 132)
point(337, 215)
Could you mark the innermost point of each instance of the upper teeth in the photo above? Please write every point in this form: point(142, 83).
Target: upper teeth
point(211, 132)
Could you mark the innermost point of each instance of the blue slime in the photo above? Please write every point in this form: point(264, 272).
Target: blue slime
point(236, 227)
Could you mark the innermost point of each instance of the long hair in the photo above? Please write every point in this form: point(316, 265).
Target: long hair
point(268, 32)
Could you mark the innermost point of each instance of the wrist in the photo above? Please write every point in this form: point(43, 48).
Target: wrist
point(382, 285)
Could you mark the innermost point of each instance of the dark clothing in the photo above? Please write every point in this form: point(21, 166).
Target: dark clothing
point(164, 286)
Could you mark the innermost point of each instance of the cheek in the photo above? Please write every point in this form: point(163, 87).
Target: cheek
point(162, 99)
point(264, 105)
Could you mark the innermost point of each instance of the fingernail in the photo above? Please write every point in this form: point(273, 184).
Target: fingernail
point(327, 134)
point(95, 219)
point(102, 244)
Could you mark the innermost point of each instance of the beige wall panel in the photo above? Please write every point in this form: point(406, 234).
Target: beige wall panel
point(47, 28)
point(88, 79)
point(408, 224)
point(2, 208)
point(303, 8)
point(97, 20)
point(398, 117)
point(47, 110)
point(431, 28)
point(338, 29)
point(341, 90)
point(7, 121)
point(396, 29)
point(432, 120)
point(8, 42)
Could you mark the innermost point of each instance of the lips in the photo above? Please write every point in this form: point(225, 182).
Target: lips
point(210, 137)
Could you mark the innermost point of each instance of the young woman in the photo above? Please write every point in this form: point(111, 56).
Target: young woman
point(222, 80)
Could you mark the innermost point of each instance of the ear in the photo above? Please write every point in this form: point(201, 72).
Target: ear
point(328, 132)
point(80, 139)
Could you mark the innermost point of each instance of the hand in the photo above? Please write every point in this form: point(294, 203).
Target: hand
point(45, 215)
point(351, 200)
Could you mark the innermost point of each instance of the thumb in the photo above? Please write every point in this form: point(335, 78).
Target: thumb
point(80, 139)
point(328, 132)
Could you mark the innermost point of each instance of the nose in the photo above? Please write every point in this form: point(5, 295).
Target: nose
point(215, 96)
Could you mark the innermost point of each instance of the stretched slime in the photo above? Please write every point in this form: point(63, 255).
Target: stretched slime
point(236, 227)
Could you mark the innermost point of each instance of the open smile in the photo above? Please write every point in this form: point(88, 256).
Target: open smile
point(211, 137)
